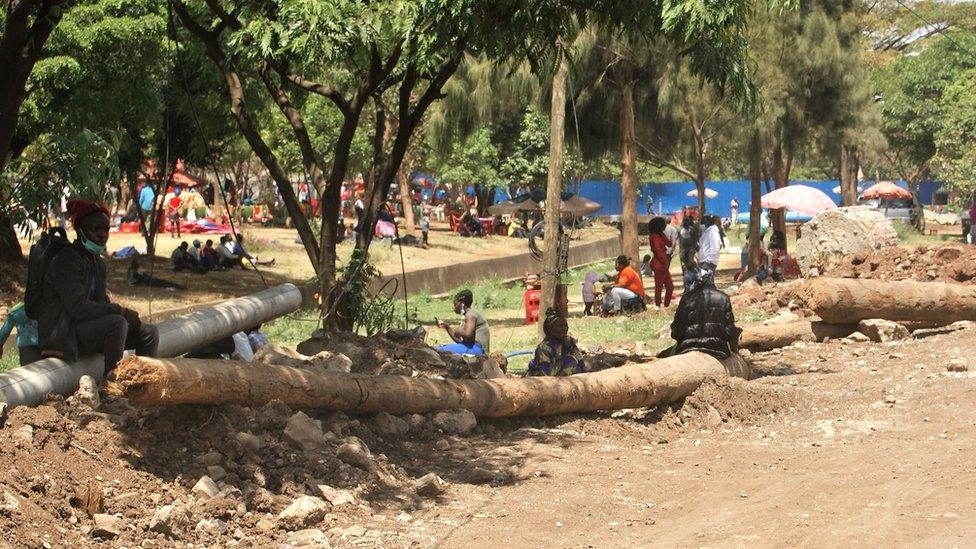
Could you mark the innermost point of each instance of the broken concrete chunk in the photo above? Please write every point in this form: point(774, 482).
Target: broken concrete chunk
point(429, 485)
point(881, 331)
point(390, 426)
point(106, 526)
point(205, 488)
point(302, 513)
point(304, 432)
point(459, 422)
point(88, 392)
point(355, 453)
point(309, 539)
point(170, 520)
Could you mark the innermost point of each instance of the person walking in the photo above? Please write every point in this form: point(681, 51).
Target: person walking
point(661, 261)
point(688, 237)
point(709, 245)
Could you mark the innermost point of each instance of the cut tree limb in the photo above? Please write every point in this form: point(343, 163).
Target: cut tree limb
point(845, 301)
point(148, 381)
point(766, 337)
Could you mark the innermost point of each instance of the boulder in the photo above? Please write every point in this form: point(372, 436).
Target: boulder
point(882, 331)
point(302, 513)
point(856, 230)
point(458, 422)
point(429, 485)
point(355, 453)
point(304, 432)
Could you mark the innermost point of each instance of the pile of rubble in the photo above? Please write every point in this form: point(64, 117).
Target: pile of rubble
point(401, 352)
point(844, 231)
point(229, 476)
point(948, 263)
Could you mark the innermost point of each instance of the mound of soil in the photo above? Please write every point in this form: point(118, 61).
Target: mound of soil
point(949, 263)
point(844, 231)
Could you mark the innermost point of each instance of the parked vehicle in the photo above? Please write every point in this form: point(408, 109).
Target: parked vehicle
point(906, 210)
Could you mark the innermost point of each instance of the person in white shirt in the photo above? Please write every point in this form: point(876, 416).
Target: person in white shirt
point(709, 245)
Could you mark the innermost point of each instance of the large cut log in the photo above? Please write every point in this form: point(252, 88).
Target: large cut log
point(148, 381)
point(845, 301)
point(31, 383)
point(766, 337)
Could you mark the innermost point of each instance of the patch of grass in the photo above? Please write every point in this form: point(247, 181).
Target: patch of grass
point(292, 329)
point(9, 360)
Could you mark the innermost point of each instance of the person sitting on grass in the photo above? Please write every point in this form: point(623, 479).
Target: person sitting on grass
point(473, 336)
point(76, 316)
point(627, 287)
point(242, 253)
point(208, 256)
point(704, 321)
point(225, 257)
point(26, 334)
point(557, 354)
point(181, 259)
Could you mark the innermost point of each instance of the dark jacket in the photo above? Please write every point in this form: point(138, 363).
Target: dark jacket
point(704, 322)
point(73, 292)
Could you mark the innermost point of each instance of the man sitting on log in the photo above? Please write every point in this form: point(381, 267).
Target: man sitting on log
point(558, 354)
point(704, 321)
point(472, 337)
point(76, 316)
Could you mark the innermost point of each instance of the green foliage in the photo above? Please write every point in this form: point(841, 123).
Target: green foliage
point(473, 160)
point(956, 139)
point(369, 312)
point(86, 165)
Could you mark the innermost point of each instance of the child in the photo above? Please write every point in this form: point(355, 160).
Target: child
point(26, 334)
point(646, 266)
point(425, 227)
point(589, 292)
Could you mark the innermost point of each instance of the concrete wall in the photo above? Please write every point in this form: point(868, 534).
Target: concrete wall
point(438, 280)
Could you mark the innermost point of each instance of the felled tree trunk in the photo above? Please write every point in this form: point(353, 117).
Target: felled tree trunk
point(765, 337)
point(148, 381)
point(843, 301)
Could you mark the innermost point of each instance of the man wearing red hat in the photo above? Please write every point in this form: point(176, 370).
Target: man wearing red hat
point(76, 317)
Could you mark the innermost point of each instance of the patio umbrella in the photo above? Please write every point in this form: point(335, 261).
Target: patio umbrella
point(886, 189)
point(837, 189)
point(709, 193)
point(798, 198)
point(577, 205)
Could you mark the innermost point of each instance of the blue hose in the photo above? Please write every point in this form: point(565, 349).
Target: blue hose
point(518, 353)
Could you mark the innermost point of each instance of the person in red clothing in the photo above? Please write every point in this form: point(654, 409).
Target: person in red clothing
point(627, 287)
point(660, 261)
point(173, 213)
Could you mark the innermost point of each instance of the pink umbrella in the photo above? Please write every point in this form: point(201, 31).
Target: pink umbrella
point(798, 198)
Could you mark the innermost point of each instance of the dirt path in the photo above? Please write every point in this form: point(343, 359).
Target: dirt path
point(873, 449)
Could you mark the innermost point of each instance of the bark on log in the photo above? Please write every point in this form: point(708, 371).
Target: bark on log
point(845, 301)
point(766, 337)
point(148, 381)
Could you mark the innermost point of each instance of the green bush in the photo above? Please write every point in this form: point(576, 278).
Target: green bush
point(201, 212)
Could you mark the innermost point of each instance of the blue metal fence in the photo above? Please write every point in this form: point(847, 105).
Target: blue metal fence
point(670, 197)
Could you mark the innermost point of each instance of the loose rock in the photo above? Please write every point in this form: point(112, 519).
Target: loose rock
point(302, 513)
point(205, 488)
point(310, 539)
point(170, 520)
point(390, 426)
point(429, 485)
point(304, 432)
point(88, 392)
point(355, 453)
point(106, 526)
point(882, 331)
point(460, 422)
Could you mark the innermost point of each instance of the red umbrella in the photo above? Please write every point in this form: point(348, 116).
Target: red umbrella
point(798, 198)
point(887, 190)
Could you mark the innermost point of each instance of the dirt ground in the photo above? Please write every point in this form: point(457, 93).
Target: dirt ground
point(866, 443)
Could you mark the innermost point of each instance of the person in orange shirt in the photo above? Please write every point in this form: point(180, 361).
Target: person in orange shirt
point(627, 287)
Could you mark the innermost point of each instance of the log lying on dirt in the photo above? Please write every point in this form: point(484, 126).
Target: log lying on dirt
point(766, 337)
point(844, 300)
point(28, 385)
point(148, 381)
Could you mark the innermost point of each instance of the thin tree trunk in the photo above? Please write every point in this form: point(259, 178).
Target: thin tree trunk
point(630, 245)
point(778, 216)
point(557, 123)
point(755, 209)
point(848, 175)
point(406, 202)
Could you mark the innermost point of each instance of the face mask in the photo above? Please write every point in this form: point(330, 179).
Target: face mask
point(91, 246)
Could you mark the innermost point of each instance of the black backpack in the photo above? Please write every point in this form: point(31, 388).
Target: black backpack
point(40, 256)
